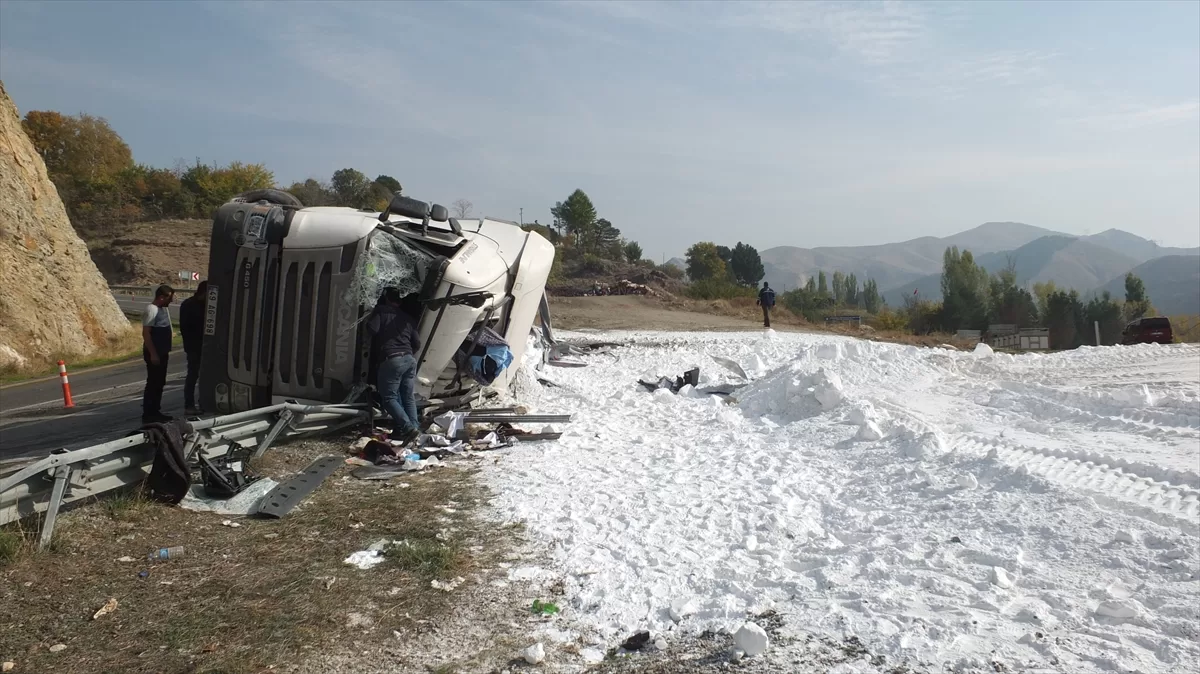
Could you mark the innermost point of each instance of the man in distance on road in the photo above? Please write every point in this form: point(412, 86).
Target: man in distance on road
point(156, 351)
point(191, 328)
point(766, 300)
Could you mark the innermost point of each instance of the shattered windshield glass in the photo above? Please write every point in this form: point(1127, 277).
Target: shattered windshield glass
point(389, 262)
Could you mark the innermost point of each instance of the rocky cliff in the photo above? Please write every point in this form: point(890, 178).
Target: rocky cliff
point(53, 300)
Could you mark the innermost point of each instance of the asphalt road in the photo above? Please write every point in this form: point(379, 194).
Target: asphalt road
point(108, 404)
point(133, 305)
point(108, 401)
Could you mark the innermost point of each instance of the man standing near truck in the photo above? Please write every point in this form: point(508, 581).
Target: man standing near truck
point(395, 343)
point(766, 299)
point(156, 351)
point(191, 328)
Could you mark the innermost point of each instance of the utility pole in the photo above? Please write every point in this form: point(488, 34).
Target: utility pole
point(522, 216)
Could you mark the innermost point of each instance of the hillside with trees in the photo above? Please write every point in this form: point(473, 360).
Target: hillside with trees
point(144, 223)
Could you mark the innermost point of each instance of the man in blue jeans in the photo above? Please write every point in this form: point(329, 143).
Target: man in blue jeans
point(396, 341)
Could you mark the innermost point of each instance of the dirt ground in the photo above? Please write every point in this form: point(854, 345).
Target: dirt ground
point(632, 312)
point(147, 253)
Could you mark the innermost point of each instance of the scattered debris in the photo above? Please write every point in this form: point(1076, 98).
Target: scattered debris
point(58, 648)
point(691, 377)
point(751, 639)
point(8, 666)
point(246, 501)
point(126, 560)
point(636, 642)
point(109, 607)
point(371, 557)
point(230, 523)
point(447, 586)
point(544, 608)
point(732, 366)
point(355, 620)
point(166, 554)
point(535, 654)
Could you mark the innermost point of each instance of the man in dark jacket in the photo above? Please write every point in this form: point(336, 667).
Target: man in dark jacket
point(766, 300)
point(156, 351)
point(396, 342)
point(191, 328)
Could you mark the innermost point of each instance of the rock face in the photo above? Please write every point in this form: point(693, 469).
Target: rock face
point(53, 300)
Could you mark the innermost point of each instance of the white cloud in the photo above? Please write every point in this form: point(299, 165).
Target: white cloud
point(876, 33)
point(1137, 117)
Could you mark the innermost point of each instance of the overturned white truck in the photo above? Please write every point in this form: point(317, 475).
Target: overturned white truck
point(289, 289)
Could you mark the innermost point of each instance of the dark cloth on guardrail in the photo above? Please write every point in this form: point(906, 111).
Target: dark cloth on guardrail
point(169, 478)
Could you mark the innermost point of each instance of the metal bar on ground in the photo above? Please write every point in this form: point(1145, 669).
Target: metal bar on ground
point(287, 495)
point(520, 418)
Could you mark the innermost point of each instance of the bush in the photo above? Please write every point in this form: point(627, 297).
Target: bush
point(890, 320)
point(718, 289)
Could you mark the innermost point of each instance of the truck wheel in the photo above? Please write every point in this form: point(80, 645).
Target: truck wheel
point(270, 196)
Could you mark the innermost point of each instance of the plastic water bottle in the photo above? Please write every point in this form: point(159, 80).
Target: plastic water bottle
point(166, 554)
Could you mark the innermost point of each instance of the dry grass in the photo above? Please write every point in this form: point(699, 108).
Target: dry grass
point(269, 593)
point(123, 347)
point(1186, 328)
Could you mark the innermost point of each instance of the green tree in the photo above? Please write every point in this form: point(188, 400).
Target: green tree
point(606, 241)
point(850, 287)
point(810, 286)
point(576, 216)
point(1137, 304)
point(158, 193)
point(1107, 312)
point(1065, 319)
point(839, 288)
point(313, 192)
point(704, 262)
point(964, 291)
point(808, 302)
point(351, 188)
point(1041, 294)
point(1009, 304)
point(214, 185)
point(633, 252)
point(746, 264)
point(388, 183)
point(822, 286)
point(870, 296)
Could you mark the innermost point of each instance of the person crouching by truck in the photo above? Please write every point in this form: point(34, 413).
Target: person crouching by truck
point(766, 299)
point(156, 351)
point(191, 329)
point(395, 338)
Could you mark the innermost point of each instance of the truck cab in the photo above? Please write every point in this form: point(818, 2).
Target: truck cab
point(290, 288)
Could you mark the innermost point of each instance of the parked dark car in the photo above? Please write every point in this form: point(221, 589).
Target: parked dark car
point(1155, 330)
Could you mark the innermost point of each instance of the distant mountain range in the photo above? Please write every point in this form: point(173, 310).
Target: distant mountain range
point(1172, 283)
point(1085, 263)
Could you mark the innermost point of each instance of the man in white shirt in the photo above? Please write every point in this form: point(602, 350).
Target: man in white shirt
point(156, 351)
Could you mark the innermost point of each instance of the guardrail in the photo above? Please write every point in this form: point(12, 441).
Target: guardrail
point(65, 477)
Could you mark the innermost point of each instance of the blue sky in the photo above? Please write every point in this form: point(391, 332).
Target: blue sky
point(773, 123)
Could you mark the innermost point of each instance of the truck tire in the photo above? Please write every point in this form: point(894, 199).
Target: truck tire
point(271, 196)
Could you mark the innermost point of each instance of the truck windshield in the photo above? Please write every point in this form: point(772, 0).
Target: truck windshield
point(388, 262)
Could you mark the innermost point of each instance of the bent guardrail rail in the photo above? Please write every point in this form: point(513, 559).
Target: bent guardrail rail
point(65, 477)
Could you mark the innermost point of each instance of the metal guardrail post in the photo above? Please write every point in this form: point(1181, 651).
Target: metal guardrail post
point(285, 418)
point(61, 475)
point(83, 473)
